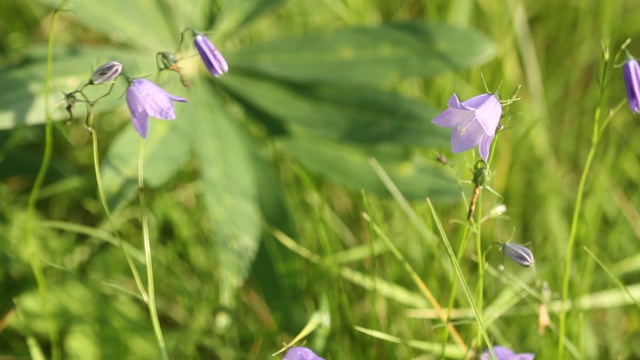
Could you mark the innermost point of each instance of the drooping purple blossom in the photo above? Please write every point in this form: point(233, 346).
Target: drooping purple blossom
point(212, 58)
point(474, 122)
point(503, 353)
point(301, 353)
point(145, 99)
point(107, 72)
point(631, 73)
point(519, 254)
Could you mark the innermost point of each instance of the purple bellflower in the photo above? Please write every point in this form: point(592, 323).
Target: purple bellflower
point(631, 73)
point(474, 122)
point(503, 353)
point(301, 353)
point(518, 253)
point(212, 58)
point(145, 99)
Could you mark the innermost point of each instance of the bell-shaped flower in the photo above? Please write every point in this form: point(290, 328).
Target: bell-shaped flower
point(474, 122)
point(503, 353)
point(631, 73)
point(144, 99)
point(107, 72)
point(301, 353)
point(518, 253)
point(212, 58)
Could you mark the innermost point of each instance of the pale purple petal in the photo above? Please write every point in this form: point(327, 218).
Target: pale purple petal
point(476, 102)
point(631, 73)
point(139, 116)
point(466, 137)
point(489, 114)
point(453, 117)
point(145, 98)
point(213, 60)
point(502, 353)
point(301, 353)
point(484, 147)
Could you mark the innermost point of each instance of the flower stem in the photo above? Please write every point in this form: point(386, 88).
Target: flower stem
point(153, 311)
point(105, 207)
point(34, 259)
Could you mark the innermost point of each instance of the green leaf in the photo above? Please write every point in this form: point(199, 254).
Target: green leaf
point(349, 165)
point(22, 94)
point(229, 187)
point(136, 22)
point(355, 114)
point(237, 14)
point(165, 150)
point(367, 55)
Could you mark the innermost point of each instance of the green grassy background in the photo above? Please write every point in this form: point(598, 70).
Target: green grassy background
point(551, 48)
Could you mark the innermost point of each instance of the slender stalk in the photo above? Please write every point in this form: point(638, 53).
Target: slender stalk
point(480, 255)
point(105, 207)
point(458, 271)
point(597, 134)
point(153, 311)
point(34, 259)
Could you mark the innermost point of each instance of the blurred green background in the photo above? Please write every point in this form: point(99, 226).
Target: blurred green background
point(282, 143)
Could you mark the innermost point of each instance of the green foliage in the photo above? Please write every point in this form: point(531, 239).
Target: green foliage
point(254, 190)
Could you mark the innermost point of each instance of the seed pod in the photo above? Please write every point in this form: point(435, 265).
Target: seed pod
point(518, 253)
point(107, 72)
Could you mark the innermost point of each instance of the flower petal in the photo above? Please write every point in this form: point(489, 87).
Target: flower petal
point(157, 102)
point(139, 116)
point(466, 137)
point(484, 147)
point(489, 114)
point(453, 117)
point(502, 353)
point(211, 57)
point(301, 353)
point(631, 73)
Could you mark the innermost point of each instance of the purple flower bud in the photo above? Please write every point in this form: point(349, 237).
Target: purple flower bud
point(212, 58)
point(107, 72)
point(474, 122)
point(145, 98)
point(503, 353)
point(519, 254)
point(301, 353)
point(631, 73)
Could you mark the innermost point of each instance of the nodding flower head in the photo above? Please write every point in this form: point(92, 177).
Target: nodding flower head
point(503, 353)
point(212, 58)
point(301, 353)
point(518, 253)
point(144, 99)
point(107, 72)
point(474, 122)
point(631, 73)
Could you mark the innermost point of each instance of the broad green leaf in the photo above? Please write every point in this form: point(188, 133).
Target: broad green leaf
point(367, 55)
point(236, 14)
point(165, 150)
point(22, 94)
point(355, 114)
point(141, 23)
point(229, 187)
point(349, 165)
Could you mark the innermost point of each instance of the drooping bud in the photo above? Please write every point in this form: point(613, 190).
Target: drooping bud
point(518, 253)
point(107, 72)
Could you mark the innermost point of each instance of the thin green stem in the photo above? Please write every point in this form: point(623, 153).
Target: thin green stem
point(458, 271)
point(595, 138)
point(34, 259)
point(479, 254)
point(105, 207)
point(153, 311)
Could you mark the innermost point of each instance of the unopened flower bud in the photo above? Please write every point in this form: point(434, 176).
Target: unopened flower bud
point(107, 72)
